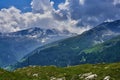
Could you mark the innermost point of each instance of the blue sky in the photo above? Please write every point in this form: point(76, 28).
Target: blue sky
point(23, 5)
point(57, 2)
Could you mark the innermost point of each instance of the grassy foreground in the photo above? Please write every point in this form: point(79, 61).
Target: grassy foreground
point(68, 73)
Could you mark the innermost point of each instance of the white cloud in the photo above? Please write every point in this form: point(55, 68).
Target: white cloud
point(115, 2)
point(82, 2)
point(64, 6)
point(9, 19)
point(73, 15)
point(109, 20)
point(41, 6)
point(12, 19)
point(90, 12)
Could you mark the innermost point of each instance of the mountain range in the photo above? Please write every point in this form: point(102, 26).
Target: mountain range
point(79, 49)
point(15, 45)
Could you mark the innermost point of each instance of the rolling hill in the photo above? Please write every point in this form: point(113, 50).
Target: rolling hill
point(79, 72)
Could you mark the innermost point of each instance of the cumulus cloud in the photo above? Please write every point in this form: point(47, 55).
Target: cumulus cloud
point(91, 12)
point(9, 19)
point(13, 19)
point(115, 2)
point(41, 6)
point(74, 15)
point(82, 2)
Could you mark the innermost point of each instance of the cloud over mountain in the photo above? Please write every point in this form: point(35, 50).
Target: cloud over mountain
point(91, 12)
point(73, 15)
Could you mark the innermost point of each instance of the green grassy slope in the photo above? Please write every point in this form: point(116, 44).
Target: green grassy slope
point(6, 75)
point(108, 51)
point(67, 73)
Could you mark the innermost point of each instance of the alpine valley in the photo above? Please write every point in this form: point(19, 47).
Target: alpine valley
point(50, 54)
point(59, 39)
point(15, 45)
point(100, 44)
